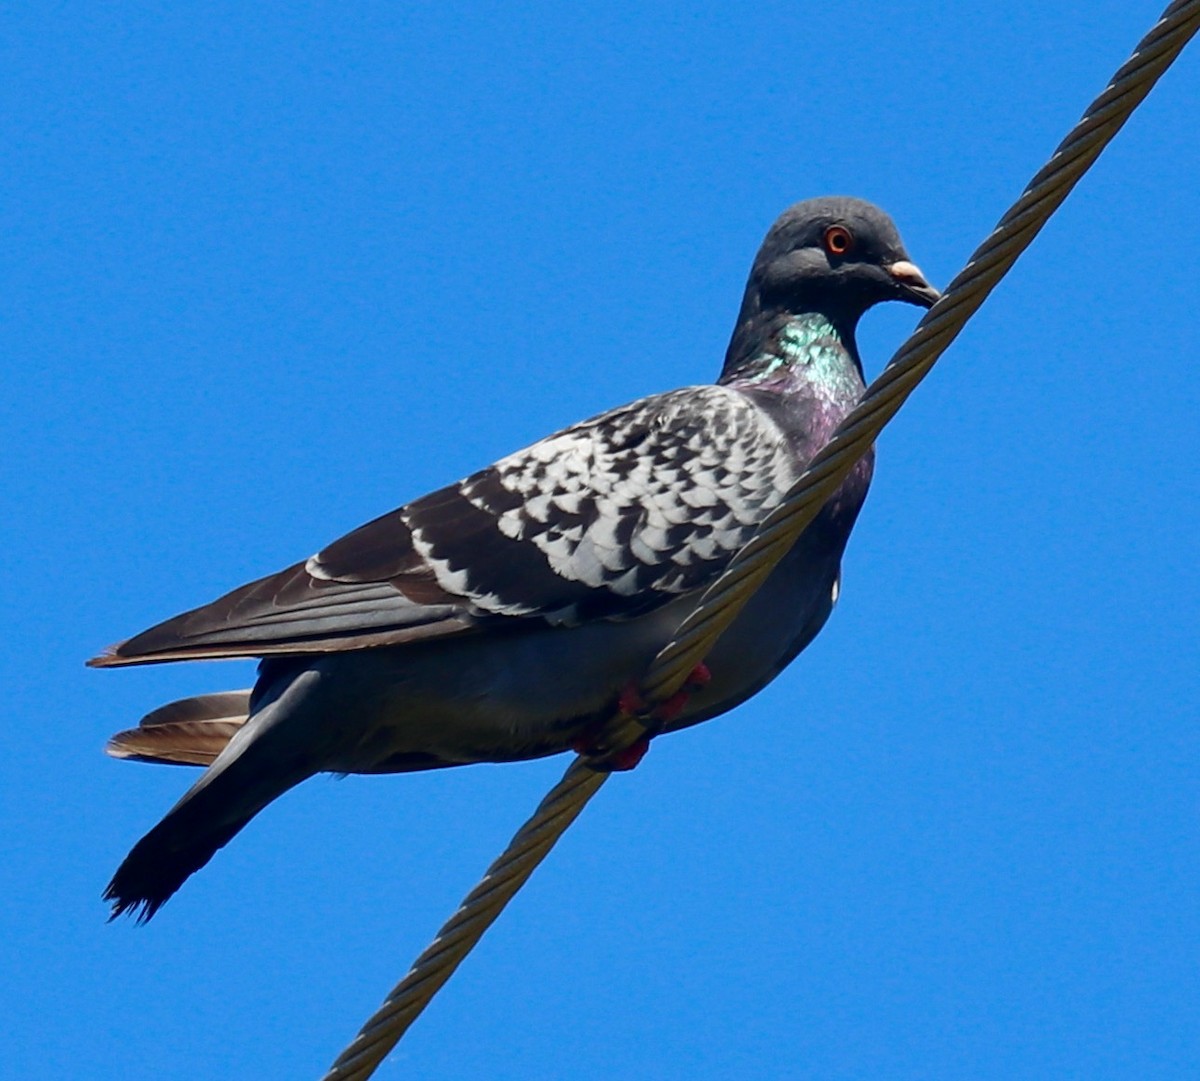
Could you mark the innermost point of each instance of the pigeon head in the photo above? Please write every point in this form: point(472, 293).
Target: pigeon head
point(835, 256)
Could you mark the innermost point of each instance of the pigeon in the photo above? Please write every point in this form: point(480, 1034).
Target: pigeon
point(507, 616)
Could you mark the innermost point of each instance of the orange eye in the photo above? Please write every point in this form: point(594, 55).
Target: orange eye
point(838, 240)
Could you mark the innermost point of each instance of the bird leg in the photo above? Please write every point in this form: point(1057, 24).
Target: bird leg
point(631, 704)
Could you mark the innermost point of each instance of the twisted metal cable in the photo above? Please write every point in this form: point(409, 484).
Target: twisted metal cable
point(749, 569)
point(475, 915)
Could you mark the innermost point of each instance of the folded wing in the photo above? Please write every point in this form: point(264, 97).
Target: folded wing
point(605, 520)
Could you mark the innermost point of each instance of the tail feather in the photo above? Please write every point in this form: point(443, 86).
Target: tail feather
point(265, 756)
point(192, 731)
point(163, 860)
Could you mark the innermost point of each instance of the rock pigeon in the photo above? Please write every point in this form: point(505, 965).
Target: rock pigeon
point(506, 616)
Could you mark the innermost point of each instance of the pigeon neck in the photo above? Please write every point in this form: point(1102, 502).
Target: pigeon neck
point(793, 350)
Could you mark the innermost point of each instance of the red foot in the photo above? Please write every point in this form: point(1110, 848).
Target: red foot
point(629, 757)
point(632, 704)
point(615, 761)
point(698, 678)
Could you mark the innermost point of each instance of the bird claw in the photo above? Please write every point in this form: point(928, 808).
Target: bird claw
point(655, 718)
point(626, 758)
point(632, 704)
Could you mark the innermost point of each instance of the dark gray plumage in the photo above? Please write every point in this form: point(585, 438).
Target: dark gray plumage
point(500, 618)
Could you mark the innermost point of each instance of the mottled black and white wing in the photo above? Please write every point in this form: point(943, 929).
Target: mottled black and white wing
point(605, 520)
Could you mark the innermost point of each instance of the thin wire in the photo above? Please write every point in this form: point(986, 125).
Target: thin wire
point(749, 569)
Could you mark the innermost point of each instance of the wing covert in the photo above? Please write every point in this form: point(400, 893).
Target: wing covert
point(606, 519)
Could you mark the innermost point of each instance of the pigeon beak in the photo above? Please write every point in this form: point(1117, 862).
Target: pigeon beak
point(912, 284)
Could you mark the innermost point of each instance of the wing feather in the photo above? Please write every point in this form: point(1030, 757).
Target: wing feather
point(607, 519)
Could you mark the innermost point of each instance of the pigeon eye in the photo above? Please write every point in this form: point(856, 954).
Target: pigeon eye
point(838, 240)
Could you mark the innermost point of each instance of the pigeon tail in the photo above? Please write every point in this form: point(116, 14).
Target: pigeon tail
point(164, 859)
point(259, 763)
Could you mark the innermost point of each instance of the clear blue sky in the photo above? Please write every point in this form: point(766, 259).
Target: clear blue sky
point(271, 270)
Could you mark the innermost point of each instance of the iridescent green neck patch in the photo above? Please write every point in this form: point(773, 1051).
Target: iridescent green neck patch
point(808, 342)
